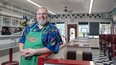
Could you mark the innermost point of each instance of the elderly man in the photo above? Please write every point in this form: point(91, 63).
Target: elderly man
point(39, 38)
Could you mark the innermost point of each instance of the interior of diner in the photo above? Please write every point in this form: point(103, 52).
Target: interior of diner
point(87, 28)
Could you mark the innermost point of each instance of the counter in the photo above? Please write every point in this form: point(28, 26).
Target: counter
point(8, 41)
point(59, 59)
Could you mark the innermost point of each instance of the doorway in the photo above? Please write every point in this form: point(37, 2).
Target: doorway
point(72, 31)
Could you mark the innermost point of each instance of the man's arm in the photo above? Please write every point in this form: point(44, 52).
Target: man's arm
point(39, 51)
point(42, 51)
point(22, 40)
point(22, 51)
point(21, 46)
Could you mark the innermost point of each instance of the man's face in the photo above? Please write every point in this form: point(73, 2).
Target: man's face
point(42, 16)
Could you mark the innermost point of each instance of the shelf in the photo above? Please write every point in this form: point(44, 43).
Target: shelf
point(15, 9)
point(8, 43)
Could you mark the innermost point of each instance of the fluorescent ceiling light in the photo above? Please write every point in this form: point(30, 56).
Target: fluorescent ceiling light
point(33, 3)
point(39, 6)
point(91, 5)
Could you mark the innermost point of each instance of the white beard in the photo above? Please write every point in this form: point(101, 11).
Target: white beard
point(42, 23)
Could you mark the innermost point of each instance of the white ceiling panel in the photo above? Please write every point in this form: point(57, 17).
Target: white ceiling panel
point(77, 6)
point(103, 5)
point(57, 6)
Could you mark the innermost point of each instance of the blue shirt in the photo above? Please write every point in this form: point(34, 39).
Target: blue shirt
point(50, 36)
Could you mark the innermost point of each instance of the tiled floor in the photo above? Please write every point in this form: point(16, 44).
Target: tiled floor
point(100, 59)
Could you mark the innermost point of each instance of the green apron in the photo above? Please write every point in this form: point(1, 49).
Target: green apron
point(34, 41)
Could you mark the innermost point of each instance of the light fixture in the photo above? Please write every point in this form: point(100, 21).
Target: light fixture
point(91, 5)
point(39, 6)
point(69, 12)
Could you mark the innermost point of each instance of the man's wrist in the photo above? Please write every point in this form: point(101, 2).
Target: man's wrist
point(37, 52)
point(21, 50)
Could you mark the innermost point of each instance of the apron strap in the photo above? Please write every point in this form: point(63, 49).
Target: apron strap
point(34, 27)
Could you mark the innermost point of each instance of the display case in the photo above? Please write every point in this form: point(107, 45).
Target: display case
point(11, 14)
point(15, 22)
point(11, 24)
point(10, 21)
point(6, 21)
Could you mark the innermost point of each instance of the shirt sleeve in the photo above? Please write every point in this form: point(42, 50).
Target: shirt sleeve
point(22, 38)
point(54, 40)
point(25, 32)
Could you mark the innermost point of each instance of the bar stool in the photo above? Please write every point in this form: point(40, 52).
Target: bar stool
point(10, 62)
point(71, 55)
point(87, 56)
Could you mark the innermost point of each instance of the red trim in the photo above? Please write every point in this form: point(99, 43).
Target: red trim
point(42, 58)
point(67, 62)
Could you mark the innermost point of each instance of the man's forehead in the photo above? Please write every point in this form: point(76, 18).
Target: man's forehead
point(42, 10)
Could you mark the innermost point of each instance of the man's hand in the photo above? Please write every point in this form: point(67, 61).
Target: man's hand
point(23, 52)
point(30, 52)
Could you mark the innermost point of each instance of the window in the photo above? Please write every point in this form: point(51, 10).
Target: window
point(105, 28)
point(61, 27)
point(83, 29)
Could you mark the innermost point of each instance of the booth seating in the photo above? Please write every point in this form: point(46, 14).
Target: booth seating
point(79, 55)
point(104, 44)
point(101, 41)
point(108, 45)
point(114, 50)
point(108, 40)
point(114, 46)
point(105, 41)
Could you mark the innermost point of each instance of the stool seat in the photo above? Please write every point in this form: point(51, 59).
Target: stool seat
point(71, 55)
point(10, 63)
point(87, 56)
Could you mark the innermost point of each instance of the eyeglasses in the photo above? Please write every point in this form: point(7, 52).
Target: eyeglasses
point(42, 13)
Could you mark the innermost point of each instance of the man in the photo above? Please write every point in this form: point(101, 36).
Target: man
point(39, 38)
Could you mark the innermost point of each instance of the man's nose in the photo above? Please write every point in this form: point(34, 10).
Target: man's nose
point(42, 16)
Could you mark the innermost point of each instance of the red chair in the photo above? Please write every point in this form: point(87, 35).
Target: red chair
point(114, 46)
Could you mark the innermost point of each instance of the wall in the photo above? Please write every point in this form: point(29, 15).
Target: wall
point(67, 21)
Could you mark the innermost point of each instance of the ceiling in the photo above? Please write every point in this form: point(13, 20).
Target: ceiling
point(77, 6)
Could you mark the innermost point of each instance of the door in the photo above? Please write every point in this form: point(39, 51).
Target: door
point(72, 31)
